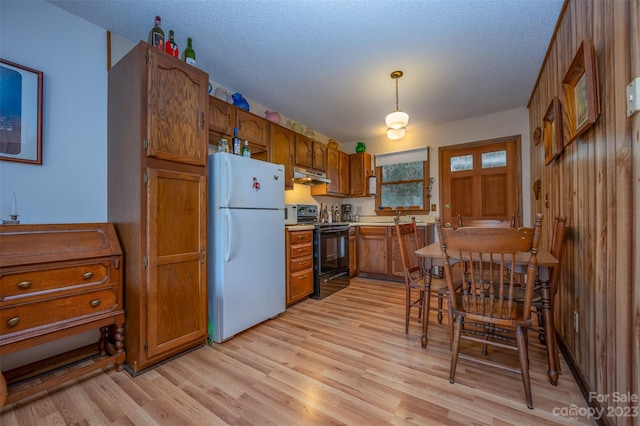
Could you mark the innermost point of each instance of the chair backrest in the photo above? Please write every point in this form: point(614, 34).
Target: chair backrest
point(408, 243)
point(487, 223)
point(488, 290)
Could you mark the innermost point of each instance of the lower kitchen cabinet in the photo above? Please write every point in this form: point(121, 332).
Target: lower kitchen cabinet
point(379, 254)
point(299, 264)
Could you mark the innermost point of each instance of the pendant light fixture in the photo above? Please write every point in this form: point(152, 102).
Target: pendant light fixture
point(397, 121)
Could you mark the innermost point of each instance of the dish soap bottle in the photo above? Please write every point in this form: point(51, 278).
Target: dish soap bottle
point(189, 55)
point(245, 150)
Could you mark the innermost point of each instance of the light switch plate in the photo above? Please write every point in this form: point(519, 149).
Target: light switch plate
point(633, 97)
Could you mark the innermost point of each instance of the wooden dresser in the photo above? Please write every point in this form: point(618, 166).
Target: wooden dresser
point(57, 281)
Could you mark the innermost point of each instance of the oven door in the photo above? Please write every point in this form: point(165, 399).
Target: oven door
point(332, 245)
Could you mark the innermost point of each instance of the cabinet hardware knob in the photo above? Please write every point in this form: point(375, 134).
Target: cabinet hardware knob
point(95, 303)
point(24, 284)
point(13, 322)
point(87, 275)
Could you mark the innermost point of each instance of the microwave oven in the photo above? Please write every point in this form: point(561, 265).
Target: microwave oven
point(290, 214)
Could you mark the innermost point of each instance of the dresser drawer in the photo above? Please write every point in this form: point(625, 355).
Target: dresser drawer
point(301, 250)
point(48, 280)
point(301, 284)
point(296, 265)
point(29, 315)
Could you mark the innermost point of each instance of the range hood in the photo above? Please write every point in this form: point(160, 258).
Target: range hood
point(309, 177)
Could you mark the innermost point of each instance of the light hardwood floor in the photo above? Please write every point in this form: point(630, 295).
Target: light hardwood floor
point(341, 360)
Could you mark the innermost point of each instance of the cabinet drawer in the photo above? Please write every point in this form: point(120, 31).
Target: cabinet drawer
point(296, 265)
point(373, 230)
point(301, 250)
point(299, 237)
point(30, 315)
point(30, 283)
point(301, 284)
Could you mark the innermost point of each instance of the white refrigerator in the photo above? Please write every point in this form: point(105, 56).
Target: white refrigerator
point(246, 243)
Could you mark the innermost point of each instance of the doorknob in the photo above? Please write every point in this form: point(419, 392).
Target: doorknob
point(447, 206)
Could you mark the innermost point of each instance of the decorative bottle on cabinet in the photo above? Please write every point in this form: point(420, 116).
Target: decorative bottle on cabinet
point(170, 46)
point(189, 53)
point(151, 93)
point(156, 35)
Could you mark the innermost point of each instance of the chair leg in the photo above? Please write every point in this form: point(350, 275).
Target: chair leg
point(521, 338)
point(420, 304)
point(455, 349)
point(450, 322)
point(541, 336)
point(407, 309)
point(440, 297)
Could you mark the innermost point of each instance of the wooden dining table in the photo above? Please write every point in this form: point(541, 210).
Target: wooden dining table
point(431, 256)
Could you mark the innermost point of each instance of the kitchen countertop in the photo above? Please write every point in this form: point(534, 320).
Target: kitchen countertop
point(306, 227)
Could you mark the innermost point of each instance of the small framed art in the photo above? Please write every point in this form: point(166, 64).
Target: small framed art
point(20, 113)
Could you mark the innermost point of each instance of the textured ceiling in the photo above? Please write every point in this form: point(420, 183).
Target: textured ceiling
point(326, 63)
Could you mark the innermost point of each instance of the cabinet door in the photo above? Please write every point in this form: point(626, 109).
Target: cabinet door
point(304, 151)
point(333, 170)
point(177, 112)
point(353, 255)
point(282, 145)
point(176, 270)
point(319, 156)
point(253, 129)
point(222, 117)
point(344, 173)
point(372, 250)
point(359, 172)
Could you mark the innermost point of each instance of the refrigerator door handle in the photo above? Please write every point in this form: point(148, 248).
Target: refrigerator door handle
point(227, 219)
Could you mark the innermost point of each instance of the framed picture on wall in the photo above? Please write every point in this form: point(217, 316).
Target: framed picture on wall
point(581, 102)
point(20, 113)
point(552, 131)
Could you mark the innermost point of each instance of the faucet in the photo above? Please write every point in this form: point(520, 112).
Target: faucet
point(398, 215)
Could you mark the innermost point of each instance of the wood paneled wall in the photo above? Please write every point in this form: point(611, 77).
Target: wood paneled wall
point(595, 183)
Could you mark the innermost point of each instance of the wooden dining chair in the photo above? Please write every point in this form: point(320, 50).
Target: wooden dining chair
point(414, 276)
point(487, 310)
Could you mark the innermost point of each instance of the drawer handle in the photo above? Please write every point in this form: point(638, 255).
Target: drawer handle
point(301, 237)
point(24, 284)
point(87, 275)
point(302, 277)
point(95, 303)
point(13, 322)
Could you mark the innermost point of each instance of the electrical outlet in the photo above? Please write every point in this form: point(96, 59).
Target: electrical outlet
point(576, 321)
point(433, 207)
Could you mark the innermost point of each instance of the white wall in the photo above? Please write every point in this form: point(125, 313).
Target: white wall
point(71, 184)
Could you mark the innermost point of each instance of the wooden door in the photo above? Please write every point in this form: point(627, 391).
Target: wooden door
point(253, 129)
point(282, 145)
point(177, 110)
point(481, 180)
point(222, 117)
point(333, 170)
point(176, 270)
point(319, 156)
point(372, 250)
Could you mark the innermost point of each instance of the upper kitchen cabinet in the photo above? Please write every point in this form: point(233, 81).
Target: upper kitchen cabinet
point(157, 200)
point(359, 171)
point(222, 118)
point(310, 154)
point(255, 130)
point(282, 146)
point(336, 165)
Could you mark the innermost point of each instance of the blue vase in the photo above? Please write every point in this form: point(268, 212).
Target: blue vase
point(360, 147)
point(240, 101)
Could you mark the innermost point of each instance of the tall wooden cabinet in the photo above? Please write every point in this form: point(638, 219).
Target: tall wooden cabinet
point(157, 192)
point(282, 145)
point(359, 171)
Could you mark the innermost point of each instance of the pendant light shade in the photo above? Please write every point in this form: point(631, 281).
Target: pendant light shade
point(396, 134)
point(397, 120)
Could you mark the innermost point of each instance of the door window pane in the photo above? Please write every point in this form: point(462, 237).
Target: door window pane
point(461, 162)
point(494, 159)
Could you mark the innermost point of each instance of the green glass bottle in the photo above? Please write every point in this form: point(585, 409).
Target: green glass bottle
point(156, 35)
point(189, 55)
